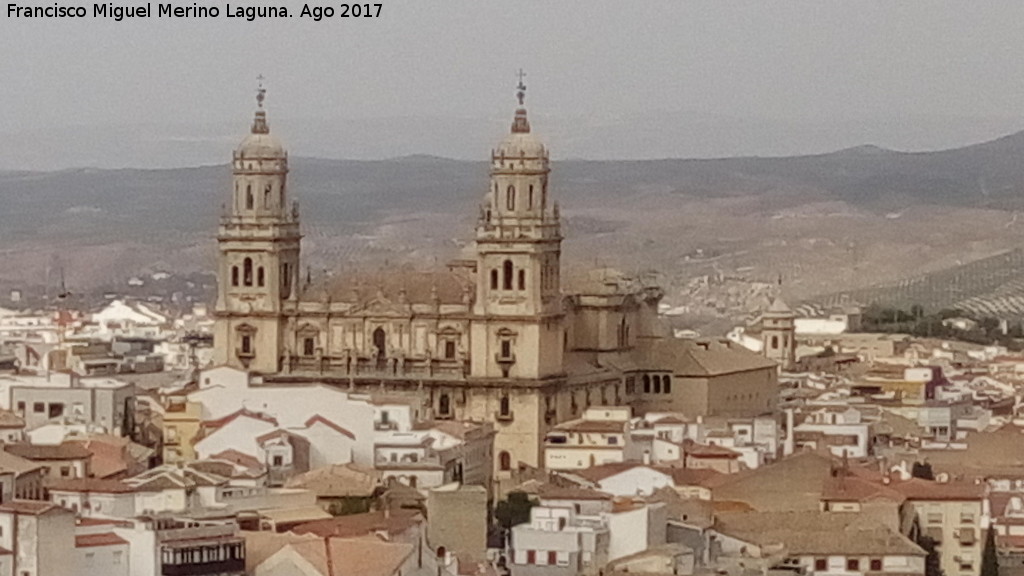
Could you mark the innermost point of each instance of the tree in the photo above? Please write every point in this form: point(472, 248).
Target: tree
point(922, 470)
point(989, 559)
point(514, 510)
point(932, 562)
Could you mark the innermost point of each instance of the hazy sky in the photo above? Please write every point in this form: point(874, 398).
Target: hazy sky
point(815, 62)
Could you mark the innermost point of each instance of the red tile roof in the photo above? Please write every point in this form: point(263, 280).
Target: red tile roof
point(102, 539)
point(65, 451)
point(91, 485)
point(30, 507)
point(318, 418)
point(240, 458)
point(918, 489)
point(225, 420)
point(356, 525)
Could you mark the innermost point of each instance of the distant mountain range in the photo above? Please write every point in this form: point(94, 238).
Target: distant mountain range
point(952, 206)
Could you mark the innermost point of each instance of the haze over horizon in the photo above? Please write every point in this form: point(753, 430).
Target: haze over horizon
point(606, 81)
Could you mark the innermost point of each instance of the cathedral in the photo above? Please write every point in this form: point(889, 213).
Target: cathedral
point(500, 337)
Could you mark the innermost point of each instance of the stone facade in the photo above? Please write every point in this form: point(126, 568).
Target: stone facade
point(497, 338)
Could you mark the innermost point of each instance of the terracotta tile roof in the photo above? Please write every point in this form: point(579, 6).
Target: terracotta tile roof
point(316, 418)
point(816, 533)
point(233, 456)
point(681, 476)
point(111, 457)
point(708, 451)
point(339, 557)
point(356, 525)
point(852, 488)
point(793, 483)
point(242, 412)
point(9, 419)
point(337, 481)
point(670, 420)
point(86, 521)
point(30, 507)
point(687, 358)
point(695, 477)
point(102, 539)
point(918, 489)
point(548, 491)
point(63, 451)
point(11, 463)
point(385, 287)
point(692, 511)
point(90, 485)
point(279, 433)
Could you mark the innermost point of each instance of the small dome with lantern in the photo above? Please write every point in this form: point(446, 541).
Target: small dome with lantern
point(520, 143)
point(260, 144)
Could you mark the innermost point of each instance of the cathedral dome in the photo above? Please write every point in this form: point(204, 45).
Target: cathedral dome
point(520, 144)
point(257, 145)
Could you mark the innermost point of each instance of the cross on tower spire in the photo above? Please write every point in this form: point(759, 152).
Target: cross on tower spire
point(521, 87)
point(261, 92)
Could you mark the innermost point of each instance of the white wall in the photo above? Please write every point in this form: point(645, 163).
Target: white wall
point(291, 406)
point(627, 532)
point(635, 481)
point(240, 434)
point(106, 560)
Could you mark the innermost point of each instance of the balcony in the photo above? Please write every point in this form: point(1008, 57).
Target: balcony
point(504, 358)
point(383, 426)
point(234, 566)
point(504, 416)
point(206, 556)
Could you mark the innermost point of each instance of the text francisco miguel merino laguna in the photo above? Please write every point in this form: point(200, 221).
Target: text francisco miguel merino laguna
point(119, 12)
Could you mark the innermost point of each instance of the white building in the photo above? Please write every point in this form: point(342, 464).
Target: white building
point(338, 426)
point(558, 540)
point(602, 436)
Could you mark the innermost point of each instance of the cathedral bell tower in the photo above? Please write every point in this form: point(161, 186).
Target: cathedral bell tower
point(518, 331)
point(258, 239)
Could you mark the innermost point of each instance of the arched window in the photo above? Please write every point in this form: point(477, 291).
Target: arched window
point(259, 276)
point(505, 406)
point(666, 384)
point(775, 342)
point(308, 346)
point(507, 274)
point(522, 279)
point(504, 460)
point(234, 275)
point(247, 272)
point(647, 384)
point(248, 197)
point(494, 279)
point(510, 198)
point(266, 196)
point(529, 198)
point(657, 384)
